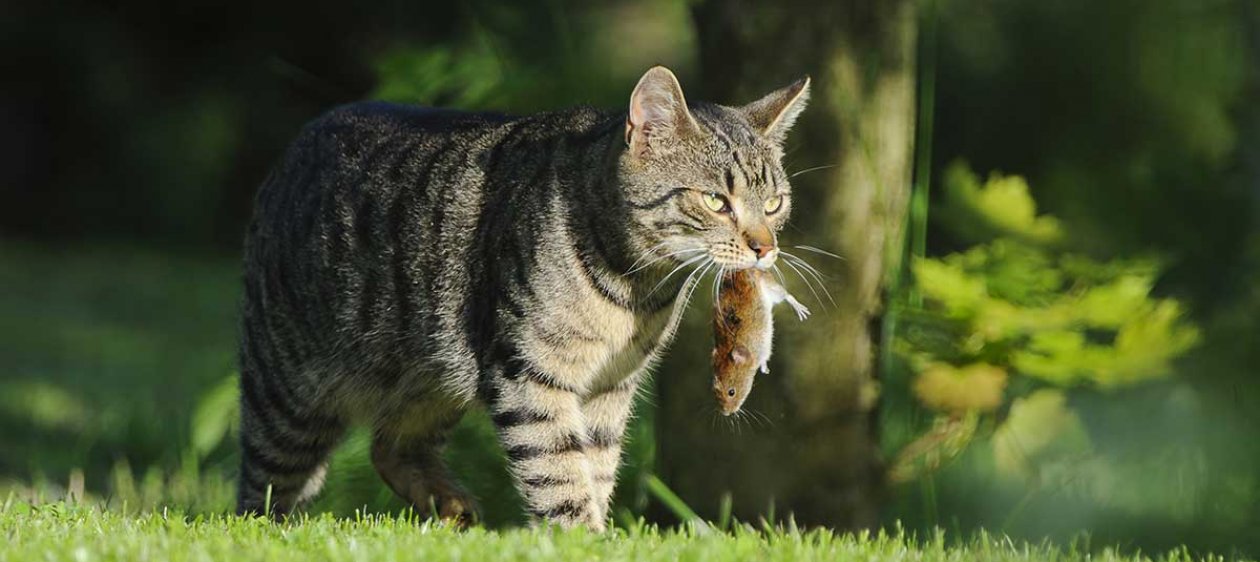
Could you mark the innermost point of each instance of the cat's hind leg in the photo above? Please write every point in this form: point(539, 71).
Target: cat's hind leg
point(409, 459)
point(284, 444)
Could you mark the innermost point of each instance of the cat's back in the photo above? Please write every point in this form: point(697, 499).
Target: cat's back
point(374, 121)
point(340, 223)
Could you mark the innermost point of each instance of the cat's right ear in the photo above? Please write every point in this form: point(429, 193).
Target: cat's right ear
point(658, 114)
point(774, 114)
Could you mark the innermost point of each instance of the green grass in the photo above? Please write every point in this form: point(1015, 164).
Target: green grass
point(62, 531)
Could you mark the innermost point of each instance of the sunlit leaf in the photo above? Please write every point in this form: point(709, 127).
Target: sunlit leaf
point(215, 415)
point(948, 284)
point(1113, 304)
point(1002, 206)
point(976, 387)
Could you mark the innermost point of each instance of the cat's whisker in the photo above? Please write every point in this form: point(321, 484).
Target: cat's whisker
point(820, 251)
point(822, 284)
point(805, 264)
point(779, 274)
point(806, 280)
point(717, 284)
point(647, 254)
point(675, 270)
point(646, 261)
point(662, 257)
point(814, 169)
point(659, 260)
point(690, 286)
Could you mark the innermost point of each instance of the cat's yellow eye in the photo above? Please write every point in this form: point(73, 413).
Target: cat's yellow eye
point(773, 204)
point(715, 202)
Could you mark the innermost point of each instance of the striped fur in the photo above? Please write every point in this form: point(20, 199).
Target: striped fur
point(405, 262)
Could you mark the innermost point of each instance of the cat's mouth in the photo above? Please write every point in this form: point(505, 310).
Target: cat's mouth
point(742, 263)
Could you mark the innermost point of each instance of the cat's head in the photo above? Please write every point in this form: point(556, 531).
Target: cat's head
point(707, 181)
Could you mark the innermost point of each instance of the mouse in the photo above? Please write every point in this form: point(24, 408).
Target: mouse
point(743, 330)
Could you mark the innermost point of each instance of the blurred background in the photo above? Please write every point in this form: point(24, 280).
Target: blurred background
point(1043, 320)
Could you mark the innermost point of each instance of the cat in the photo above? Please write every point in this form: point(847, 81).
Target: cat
point(404, 263)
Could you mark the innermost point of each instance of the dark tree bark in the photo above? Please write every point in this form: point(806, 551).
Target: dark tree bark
point(815, 454)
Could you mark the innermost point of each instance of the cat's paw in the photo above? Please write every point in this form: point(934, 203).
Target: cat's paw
point(458, 510)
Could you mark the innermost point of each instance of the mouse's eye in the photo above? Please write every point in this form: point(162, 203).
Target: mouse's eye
point(731, 393)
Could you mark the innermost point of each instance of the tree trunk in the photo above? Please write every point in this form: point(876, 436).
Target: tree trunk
point(813, 452)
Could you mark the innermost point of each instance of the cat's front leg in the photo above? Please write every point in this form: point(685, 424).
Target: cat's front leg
point(607, 412)
point(542, 429)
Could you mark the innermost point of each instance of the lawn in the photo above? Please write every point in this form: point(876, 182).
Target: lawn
point(61, 531)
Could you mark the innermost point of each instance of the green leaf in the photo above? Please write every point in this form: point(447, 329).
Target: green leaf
point(975, 387)
point(948, 284)
point(1000, 207)
point(215, 416)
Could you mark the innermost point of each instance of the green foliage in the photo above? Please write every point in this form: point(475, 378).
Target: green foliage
point(216, 416)
point(538, 55)
point(468, 77)
point(1001, 205)
point(1010, 326)
point(68, 531)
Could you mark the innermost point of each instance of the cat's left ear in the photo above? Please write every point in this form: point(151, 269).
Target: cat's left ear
point(773, 115)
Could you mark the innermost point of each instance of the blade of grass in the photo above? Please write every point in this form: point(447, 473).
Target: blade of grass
point(724, 511)
point(673, 502)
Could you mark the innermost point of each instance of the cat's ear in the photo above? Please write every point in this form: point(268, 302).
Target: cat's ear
point(773, 115)
point(658, 114)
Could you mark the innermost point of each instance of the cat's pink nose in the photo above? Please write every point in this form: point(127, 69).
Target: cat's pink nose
point(762, 250)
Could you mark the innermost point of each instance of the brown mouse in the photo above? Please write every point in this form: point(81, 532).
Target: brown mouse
point(743, 330)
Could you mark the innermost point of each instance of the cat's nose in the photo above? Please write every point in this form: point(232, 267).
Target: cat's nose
point(762, 249)
point(761, 241)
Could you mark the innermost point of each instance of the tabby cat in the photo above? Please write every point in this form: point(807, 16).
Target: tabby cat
point(403, 263)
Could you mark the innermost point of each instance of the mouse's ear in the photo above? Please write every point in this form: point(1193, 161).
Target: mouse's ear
point(741, 354)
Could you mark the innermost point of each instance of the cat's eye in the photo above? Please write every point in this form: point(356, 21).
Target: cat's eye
point(716, 203)
point(773, 204)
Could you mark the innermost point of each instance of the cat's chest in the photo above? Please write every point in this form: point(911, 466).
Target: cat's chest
point(593, 345)
point(647, 340)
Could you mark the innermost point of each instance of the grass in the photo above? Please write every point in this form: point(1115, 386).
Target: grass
point(67, 531)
